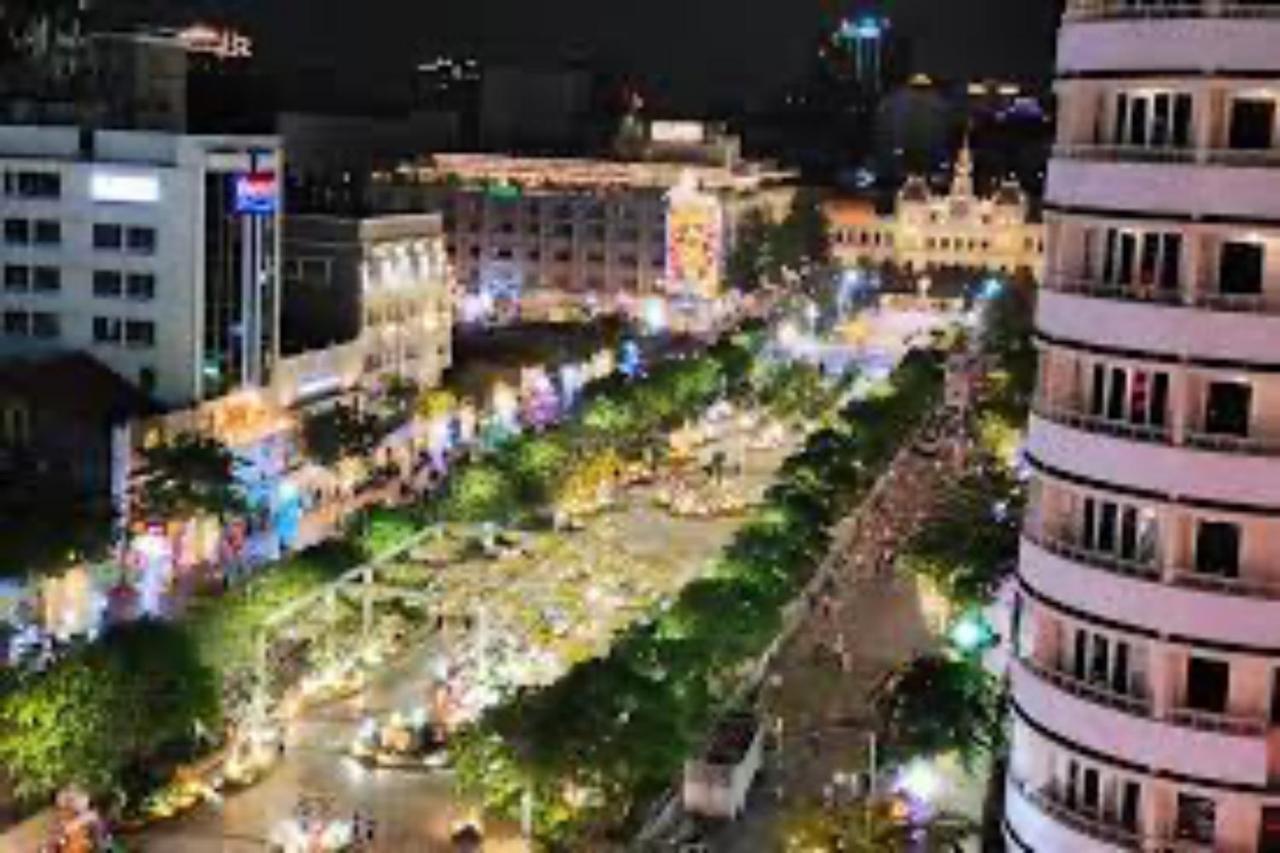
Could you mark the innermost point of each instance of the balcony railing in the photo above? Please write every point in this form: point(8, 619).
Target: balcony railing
point(1095, 826)
point(1063, 547)
point(1061, 283)
point(1095, 693)
point(1117, 153)
point(1243, 444)
point(1110, 152)
point(1226, 724)
point(1093, 423)
point(1101, 10)
point(1244, 587)
point(1242, 303)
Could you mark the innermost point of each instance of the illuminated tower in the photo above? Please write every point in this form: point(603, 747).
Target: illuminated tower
point(1146, 673)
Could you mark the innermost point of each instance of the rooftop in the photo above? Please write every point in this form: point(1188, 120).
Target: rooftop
point(582, 173)
point(76, 385)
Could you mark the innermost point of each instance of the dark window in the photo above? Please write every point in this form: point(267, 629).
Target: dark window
point(48, 232)
point(1240, 268)
point(17, 323)
point(33, 184)
point(1208, 684)
point(1227, 408)
point(1252, 123)
point(140, 333)
point(1269, 832)
point(1196, 817)
point(106, 329)
point(17, 231)
point(17, 279)
point(47, 280)
point(141, 285)
point(1218, 548)
point(141, 240)
point(106, 283)
point(1130, 802)
point(147, 379)
point(107, 236)
point(45, 325)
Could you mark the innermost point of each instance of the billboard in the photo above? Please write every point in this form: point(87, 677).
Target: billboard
point(678, 132)
point(695, 250)
point(116, 187)
point(257, 193)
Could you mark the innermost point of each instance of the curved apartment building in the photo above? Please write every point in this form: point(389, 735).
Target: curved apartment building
point(1146, 673)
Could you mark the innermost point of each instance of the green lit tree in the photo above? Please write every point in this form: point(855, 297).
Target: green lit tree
point(481, 492)
point(188, 476)
point(938, 704)
point(111, 717)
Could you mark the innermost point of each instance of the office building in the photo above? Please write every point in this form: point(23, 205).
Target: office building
point(156, 253)
point(1146, 678)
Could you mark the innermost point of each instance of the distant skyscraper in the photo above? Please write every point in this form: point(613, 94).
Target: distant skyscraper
point(1146, 650)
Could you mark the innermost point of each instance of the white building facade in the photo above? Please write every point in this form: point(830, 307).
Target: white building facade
point(929, 231)
point(156, 253)
point(1146, 670)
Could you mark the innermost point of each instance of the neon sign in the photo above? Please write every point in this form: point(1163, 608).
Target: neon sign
point(222, 43)
point(257, 193)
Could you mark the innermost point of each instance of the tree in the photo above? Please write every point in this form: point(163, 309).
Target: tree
point(437, 403)
point(189, 476)
point(750, 261)
point(481, 492)
point(343, 432)
point(803, 239)
point(879, 827)
point(936, 705)
point(114, 715)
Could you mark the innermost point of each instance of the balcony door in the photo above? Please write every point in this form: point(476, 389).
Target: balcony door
point(1218, 549)
point(1240, 269)
point(1253, 123)
point(1208, 685)
point(1129, 395)
point(1152, 119)
point(1227, 408)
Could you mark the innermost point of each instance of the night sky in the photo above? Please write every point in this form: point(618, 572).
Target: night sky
point(695, 52)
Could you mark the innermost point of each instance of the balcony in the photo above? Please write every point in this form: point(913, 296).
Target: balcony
point(1097, 694)
point(1110, 10)
point(1114, 153)
point(1172, 601)
point(1112, 35)
point(1069, 416)
point(1153, 182)
point(1093, 827)
point(1207, 746)
point(1148, 319)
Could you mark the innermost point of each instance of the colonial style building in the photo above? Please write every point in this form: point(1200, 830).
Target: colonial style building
point(928, 232)
point(1146, 646)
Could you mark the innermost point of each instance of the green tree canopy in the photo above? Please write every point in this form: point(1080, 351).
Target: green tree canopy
point(342, 432)
point(188, 476)
point(938, 704)
point(112, 715)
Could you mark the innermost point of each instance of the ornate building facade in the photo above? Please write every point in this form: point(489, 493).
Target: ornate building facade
point(929, 232)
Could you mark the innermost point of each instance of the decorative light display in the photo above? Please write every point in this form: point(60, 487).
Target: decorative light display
point(695, 241)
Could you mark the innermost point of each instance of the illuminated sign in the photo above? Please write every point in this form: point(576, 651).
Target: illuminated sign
point(694, 241)
point(222, 43)
point(124, 187)
point(684, 132)
point(257, 193)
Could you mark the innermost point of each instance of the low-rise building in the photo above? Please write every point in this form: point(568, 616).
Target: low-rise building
point(549, 238)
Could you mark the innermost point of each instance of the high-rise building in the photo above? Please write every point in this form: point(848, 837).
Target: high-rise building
point(1146, 681)
point(157, 253)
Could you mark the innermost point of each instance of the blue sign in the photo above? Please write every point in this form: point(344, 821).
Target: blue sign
point(257, 193)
